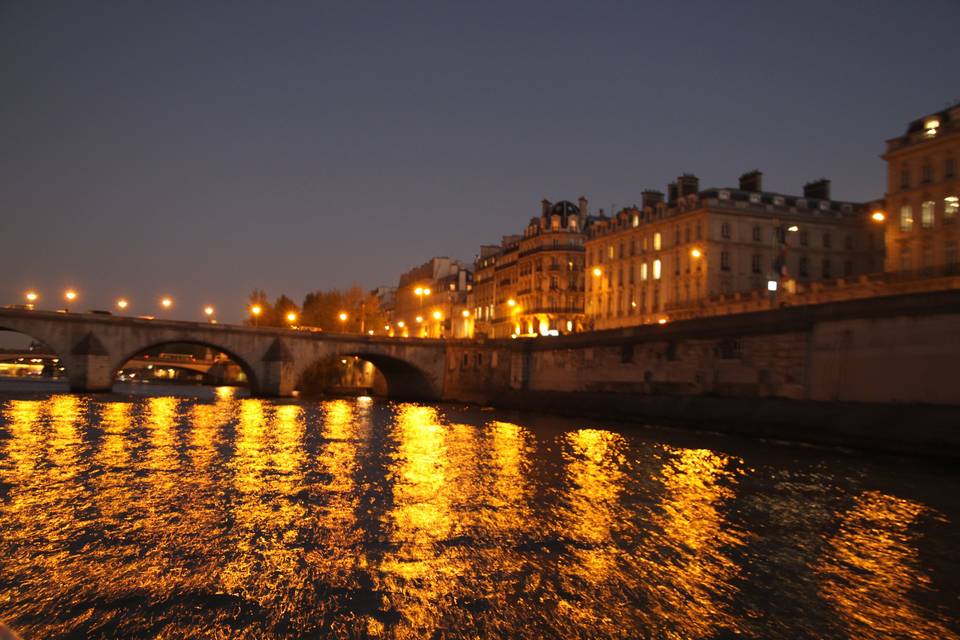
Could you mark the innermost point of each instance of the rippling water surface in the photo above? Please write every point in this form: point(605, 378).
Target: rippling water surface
point(227, 517)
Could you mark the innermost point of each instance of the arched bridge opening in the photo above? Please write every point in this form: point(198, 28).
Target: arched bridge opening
point(192, 362)
point(25, 356)
point(364, 373)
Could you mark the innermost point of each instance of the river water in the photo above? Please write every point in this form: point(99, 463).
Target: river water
point(135, 515)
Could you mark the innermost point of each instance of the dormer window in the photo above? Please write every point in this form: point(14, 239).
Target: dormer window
point(824, 205)
point(723, 194)
point(755, 198)
point(573, 223)
point(931, 126)
point(635, 221)
point(778, 201)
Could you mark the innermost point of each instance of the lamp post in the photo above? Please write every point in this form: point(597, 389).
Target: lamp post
point(343, 320)
point(255, 311)
point(122, 304)
point(70, 295)
point(208, 311)
point(31, 297)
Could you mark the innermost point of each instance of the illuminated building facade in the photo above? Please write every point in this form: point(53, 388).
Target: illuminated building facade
point(533, 283)
point(430, 301)
point(923, 196)
point(677, 253)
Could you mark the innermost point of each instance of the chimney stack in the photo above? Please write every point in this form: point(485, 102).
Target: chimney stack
point(751, 181)
point(817, 190)
point(688, 184)
point(545, 207)
point(584, 206)
point(651, 198)
point(672, 193)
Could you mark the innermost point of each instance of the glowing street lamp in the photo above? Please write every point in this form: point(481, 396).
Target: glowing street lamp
point(166, 303)
point(419, 319)
point(122, 304)
point(255, 311)
point(437, 315)
point(291, 317)
point(597, 272)
point(465, 313)
point(695, 253)
point(878, 216)
point(70, 295)
point(401, 324)
point(208, 311)
point(511, 302)
point(793, 228)
point(31, 296)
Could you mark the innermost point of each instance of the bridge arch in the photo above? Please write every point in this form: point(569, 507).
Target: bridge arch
point(253, 380)
point(404, 380)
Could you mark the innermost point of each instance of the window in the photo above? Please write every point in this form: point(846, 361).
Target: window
point(756, 233)
point(951, 205)
point(621, 251)
point(676, 265)
point(725, 230)
point(827, 242)
point(926, 173)
point(906, 263)
point(633, 246)
point(950, 168)
point(755, 198)
point(804, 238)
point(847, 268)
point(802, 267)
point(906, 218)
point(635, 221)
point(676, 235)
point(610, 252)
point(905, 178)
point(725, 261)
point(848, 242)
point(698, 230)
point(686, 233)
point(643, 271)
point(755, 263)
point(950, 253)
point(656, 241)
point(827, 270)
point(926, 214)
point(656, 269)
point(631, 273)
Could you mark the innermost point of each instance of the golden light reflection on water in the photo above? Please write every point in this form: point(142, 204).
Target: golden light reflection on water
point(871, 571)
point(238, 517)
point(697, 584)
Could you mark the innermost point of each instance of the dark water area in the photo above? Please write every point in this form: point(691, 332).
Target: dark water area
point(145, 514)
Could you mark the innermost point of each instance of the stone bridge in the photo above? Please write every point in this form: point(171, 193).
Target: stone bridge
point(93, 347)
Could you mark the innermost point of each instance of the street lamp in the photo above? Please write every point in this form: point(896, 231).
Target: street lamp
point(437, 315)
point(166, 303)
point(695, 253)
point(291, 317)
point(122, 304)
point(511, 302)
point(343, 319)
point(31, 297)
point(878, 216)
point(70, 295)
point(597, 272)
point(256, 310)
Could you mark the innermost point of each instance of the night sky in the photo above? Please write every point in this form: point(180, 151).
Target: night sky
point(202, 149)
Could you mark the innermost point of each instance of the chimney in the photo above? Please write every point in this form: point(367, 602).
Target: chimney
point(817, 190)
point(545, 207)
point(671, 193)
point(584, 206)
point(688, 184)
point(751, 181)
point(651, 198)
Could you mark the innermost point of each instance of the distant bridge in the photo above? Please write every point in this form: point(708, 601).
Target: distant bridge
point(93, 347)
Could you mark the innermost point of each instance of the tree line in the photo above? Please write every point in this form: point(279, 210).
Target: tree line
point(321, 310)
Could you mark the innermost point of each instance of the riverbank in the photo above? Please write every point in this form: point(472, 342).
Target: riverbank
point(916, 430)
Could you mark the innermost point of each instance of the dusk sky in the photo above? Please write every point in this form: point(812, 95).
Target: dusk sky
point(203, 149)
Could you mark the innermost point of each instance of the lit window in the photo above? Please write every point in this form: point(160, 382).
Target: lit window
point(610, 252)
point(656, 242)
point(926, 214)
point(931, 126)
point(656, 269)
point(636, 221)
point(906, 218)
point(643, 271)
point(951, 205)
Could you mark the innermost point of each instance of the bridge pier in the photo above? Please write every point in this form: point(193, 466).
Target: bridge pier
point(90, 367)
point(279, 372)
